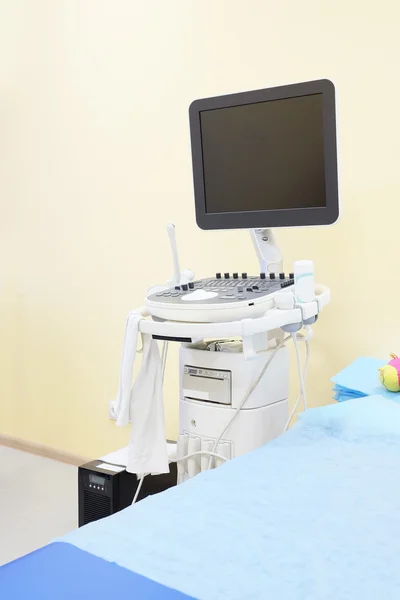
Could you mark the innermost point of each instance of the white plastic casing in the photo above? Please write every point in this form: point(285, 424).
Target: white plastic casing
point(211, 313)
point(250, 430)
point(262, 418)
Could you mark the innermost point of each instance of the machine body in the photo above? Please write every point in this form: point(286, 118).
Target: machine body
point(212, 386)
point(261, 159)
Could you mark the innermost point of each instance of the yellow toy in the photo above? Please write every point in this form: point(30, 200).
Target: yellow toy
point(389, 375)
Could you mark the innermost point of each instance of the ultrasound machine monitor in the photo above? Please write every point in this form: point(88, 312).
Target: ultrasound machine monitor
point(266, 158)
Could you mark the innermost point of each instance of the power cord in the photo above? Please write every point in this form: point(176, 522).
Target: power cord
point(295, 337)
point(247, 396)
point(139, 487)
point(172, 460)
point(199, 452)
point(303, 377)
point(302, 394)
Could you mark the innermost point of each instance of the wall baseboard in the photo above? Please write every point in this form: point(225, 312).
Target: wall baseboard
point(41, 450)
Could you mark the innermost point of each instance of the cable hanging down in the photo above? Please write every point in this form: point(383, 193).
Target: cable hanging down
point(302, 394)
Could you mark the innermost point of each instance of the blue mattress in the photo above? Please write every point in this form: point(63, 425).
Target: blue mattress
point(313, 515)
point(63, 572)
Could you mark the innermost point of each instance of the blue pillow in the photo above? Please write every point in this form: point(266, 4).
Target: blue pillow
point(356, 418)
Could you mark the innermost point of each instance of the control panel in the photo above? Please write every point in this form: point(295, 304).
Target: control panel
point(225, 288)
point(224, 297)
point(98, 482)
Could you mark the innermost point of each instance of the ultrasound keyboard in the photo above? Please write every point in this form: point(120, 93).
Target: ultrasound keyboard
point(224, 291)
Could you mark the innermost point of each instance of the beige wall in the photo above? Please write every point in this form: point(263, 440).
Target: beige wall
point(95, 159)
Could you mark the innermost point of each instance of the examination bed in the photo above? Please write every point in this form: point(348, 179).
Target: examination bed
point(313, 515)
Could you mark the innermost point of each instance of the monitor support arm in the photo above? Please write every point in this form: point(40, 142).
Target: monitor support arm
point(267, 251)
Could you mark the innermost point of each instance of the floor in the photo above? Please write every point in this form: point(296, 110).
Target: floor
point(38, 501)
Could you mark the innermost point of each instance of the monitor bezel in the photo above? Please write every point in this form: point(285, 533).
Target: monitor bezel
point(325, 215)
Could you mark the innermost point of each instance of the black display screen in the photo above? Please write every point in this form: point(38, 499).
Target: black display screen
point(97, 479)
point(264, 156)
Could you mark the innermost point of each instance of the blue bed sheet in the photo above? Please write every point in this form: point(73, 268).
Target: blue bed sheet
point(314, 515)
point(61, 571)
point(360, 379)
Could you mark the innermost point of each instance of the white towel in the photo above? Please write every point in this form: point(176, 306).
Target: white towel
point(122, 402)
point(143, 405)
point(147, 447)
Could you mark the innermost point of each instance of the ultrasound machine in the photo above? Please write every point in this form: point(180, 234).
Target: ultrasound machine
point(261, 160)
